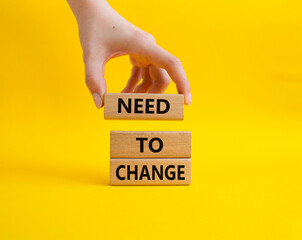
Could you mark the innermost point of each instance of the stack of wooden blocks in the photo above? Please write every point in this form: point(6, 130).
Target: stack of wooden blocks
point(148, 157)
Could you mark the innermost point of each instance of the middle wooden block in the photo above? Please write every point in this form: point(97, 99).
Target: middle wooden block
point(150, 144)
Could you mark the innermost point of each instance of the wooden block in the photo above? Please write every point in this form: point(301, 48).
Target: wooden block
point(150, 171)
point(143, 106)
point(147, 144)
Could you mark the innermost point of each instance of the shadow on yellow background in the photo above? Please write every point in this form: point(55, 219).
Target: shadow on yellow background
point(244, 62)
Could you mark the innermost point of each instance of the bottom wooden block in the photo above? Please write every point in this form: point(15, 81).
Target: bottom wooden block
point(150, 171)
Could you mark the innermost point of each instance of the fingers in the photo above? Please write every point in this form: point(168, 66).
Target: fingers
point(95, 81)
point(146, 83)
point(160, 78)
point(136, 75)
point(155, 80)
point(148, 51)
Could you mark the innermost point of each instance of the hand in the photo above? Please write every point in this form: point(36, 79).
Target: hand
point(104, 34)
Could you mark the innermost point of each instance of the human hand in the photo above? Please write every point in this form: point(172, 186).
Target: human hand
point(104, 34)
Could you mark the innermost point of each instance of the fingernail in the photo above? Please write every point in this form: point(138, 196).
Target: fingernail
point(189, 98)
point(97, 100)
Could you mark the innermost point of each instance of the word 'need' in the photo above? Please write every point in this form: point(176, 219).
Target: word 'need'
point(140, 106)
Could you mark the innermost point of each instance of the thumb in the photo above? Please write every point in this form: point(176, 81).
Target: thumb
point(95, 81)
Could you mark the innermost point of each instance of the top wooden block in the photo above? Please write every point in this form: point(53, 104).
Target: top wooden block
point(143, 106)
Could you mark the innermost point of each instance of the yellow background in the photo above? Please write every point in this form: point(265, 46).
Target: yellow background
point(244, 62)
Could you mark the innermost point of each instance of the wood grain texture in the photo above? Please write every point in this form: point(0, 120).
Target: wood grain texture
point(144, 106)
point(150, 171)
point(150, 144)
